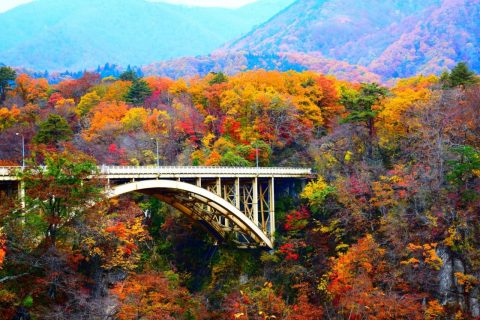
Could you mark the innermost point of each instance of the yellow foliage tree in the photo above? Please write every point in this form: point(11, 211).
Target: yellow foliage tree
point(134, 119)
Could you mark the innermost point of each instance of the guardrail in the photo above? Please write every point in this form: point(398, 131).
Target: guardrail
point(8, 171)
point(184, 170)
point(106, 170)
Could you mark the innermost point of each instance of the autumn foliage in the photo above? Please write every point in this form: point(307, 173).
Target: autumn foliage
point(386, 228)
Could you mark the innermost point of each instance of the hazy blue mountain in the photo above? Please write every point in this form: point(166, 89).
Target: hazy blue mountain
point(78, 34)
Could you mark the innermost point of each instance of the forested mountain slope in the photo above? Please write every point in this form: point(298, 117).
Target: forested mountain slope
point(390, 38)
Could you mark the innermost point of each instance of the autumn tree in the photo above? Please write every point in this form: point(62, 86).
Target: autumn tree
point(392, 120)
point(356, 285)
point(76, 88)
point(135, 119)
point(31, 90)
point(106, 120)
point(117, 238)
point(8, 117)
point(44, 228)
point(87, 102)
point(60, 190)
point(156, 296)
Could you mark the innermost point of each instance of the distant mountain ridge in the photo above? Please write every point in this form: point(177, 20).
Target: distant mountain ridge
point(368, 40)
point(79, 34)
point(395, 38)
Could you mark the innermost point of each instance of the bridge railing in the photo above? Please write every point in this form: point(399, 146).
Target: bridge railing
point(8, 171)
point(112, 170)
point(132, 170)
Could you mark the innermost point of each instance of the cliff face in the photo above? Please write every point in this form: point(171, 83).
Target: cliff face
point(450, 289)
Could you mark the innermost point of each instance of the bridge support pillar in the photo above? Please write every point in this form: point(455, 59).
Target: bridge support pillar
point(218, 184)
point(271, 206)
point(237, 193)
point(21, 193)
point(255, 200)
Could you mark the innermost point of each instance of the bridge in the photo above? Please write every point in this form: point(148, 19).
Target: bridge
point(230, 202)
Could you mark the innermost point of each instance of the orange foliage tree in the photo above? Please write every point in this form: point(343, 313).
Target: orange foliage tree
point(156, 296)
point(106, 120)
point(358, 286)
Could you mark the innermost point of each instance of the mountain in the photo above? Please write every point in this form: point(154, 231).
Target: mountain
point(448, 35)
point(354, 40)
point(232, 63)
point(395, 38)
point(79, 34)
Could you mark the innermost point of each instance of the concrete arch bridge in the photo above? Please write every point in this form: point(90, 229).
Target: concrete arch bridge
point(238, 203)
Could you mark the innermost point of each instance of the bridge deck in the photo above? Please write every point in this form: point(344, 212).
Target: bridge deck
point(151, 172)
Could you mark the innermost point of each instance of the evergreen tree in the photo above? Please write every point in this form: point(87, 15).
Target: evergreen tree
point(7, 75)
point(363, 106)
point(360, 104)
point(53, 130)
point(218, 78)
point(138, 92)
point(129, 75)
point(461, 75)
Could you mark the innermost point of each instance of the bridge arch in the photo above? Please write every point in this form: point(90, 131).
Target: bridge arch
point(200, 204)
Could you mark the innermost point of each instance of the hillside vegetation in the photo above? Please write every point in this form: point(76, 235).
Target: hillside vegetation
point(389, 229)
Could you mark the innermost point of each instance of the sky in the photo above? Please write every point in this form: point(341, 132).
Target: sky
point(9, 4)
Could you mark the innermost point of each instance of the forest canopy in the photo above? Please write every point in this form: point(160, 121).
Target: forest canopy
point(388, 229)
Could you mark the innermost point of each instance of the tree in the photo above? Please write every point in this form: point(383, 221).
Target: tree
point(138, 92)
point(7, 75)
point(53, 130)
point(75, 89)
point(87, 102)
point(362, 104)
point(60, 188)
point(464, 171)
point(230, 159)
point(118, 237)
point(129, 75)
point(461, 75)
point(8, 117)
point(134, 119)
point(356, 286)
point(31, 90)
point(392, 120)
point(316, 192)
point(156, 296)
point(106, 120)
point(218, 78)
